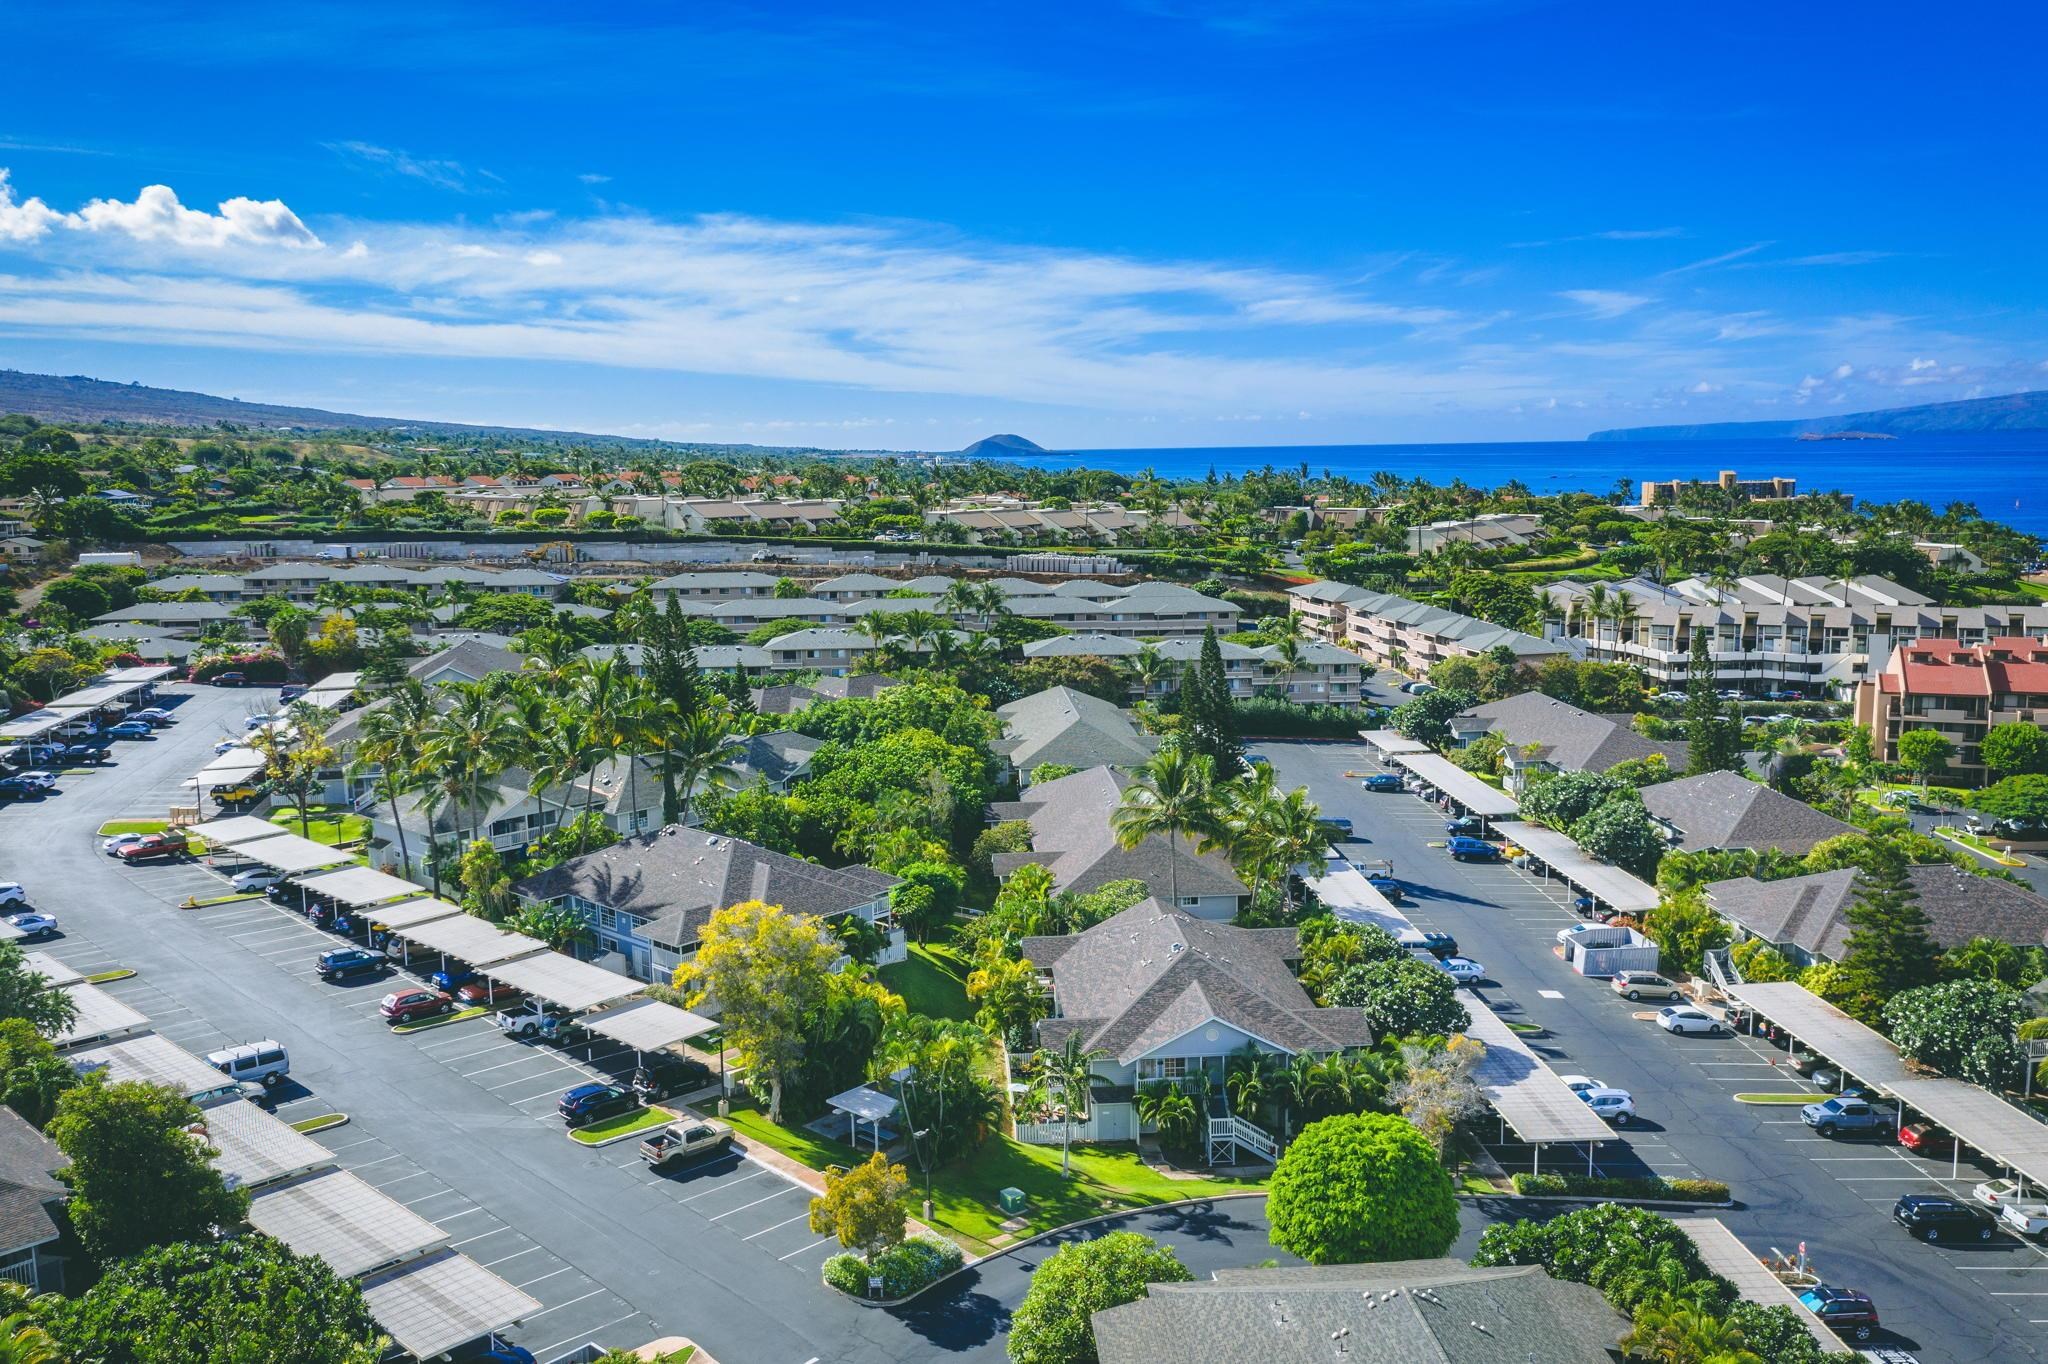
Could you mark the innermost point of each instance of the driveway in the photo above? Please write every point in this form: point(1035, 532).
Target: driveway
point(1793, 1186)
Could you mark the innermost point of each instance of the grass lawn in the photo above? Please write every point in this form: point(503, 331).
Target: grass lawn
point(625, 1122)
point(321, 1123)
point(330, 828)
point(456, 1017)
point(932, 981)
point(1779, 1098)
point(1105, 1179)
point(132, 826)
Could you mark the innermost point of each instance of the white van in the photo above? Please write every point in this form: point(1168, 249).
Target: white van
point(265, 1062)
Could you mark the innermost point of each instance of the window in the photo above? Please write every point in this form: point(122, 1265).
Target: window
point(1173, 1067)
point(1190, 901)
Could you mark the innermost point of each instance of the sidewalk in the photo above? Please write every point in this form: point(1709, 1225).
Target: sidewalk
point(796, 1172)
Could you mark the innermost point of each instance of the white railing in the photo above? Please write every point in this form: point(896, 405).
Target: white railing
point(1226, 1134)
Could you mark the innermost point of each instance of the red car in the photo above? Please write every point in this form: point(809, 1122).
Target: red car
point(410, 1006)
point(1925, 1139)
point(480, 992)
point(154, 846)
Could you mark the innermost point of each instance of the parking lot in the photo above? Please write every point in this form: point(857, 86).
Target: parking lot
point(1792, 1186)
point(456, 1121)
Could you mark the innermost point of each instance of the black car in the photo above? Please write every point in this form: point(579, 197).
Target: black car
point(662, 1076)
point(1465, 824)
point(351, 961)
point(1440, 945)
point(1845, 1311)
point(590, 1103)
point(86, 754)
point(1937, 1217)
point(16, 789)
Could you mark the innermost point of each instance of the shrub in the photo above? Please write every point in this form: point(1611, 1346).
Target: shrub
point(1623, 1186)
point(916, 1264)
point(1052, 1325)
point(1360, 1187)
point(263, 668)
point(1631, 1255)
point(1961, 1027)
point(1272, 718)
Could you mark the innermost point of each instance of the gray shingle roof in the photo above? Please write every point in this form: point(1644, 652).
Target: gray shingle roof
point(473, 660)
point(1061, 725)
point(1403, 1312)
point(1070, 836)
point(28, 1185)
point(1570, 739)
point(168, 613)
point(1150, 974)
point(677, 878)
point(1810, 911)
point(1727, 810)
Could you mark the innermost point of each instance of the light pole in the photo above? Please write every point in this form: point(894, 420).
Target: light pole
point(925, 1162)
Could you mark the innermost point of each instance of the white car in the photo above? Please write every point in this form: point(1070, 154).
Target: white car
point(2028, 1219)
point(257, 721)
point(1683, 1018)
point(13, 893)
point(1464, 970)
point(154, 716)
point(46, 780)
point(1579, 1084)
point(258, 878)
point(227, 746)
point(1618, 1106)
point(112, 847)
point(33, 925)
point(1993, 1192)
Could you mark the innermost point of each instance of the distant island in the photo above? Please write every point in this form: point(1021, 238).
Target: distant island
point(2009, 412)
point(1001, 447)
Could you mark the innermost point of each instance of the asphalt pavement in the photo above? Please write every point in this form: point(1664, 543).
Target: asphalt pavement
point(1792, 1186)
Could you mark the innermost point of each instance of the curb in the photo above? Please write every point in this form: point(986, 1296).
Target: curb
point(1601, 1198)
point(340, 1120)
point(459, 1016)
point(613, 1140)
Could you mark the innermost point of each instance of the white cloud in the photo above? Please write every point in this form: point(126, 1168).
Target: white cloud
point(543, 258)
point(1726, 256)
point(1640, 234)
point(24, 221)
point(1605, 303)
point(594, 178)
point(1704, 387)
point(157, 216)
point(437, 171)
point(1843, 371)
point(1919, 364)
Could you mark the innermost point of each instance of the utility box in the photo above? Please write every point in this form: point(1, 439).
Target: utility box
point(1631, 952)
point(1011, 1201)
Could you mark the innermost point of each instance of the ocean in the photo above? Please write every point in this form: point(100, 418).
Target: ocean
point(2005, 473)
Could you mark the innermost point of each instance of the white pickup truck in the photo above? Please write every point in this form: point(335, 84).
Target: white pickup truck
point(2028, 1219)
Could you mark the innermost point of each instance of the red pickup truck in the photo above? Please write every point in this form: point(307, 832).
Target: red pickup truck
point(153, 847)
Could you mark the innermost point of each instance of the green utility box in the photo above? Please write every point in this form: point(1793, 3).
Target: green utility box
point(1011, 1201)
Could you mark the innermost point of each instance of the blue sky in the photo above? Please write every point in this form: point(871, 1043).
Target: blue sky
point(1155, 223)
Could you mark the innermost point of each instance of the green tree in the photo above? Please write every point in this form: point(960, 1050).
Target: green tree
point(768, 969)
point(1890, 947)
point(137, 1177)
point(1632, 1255)
point(560, 926)
point(1207, 722)
point(1062, 1081)
point(1401, 997)
point(1174, 794)
point(1427, 719)
point(2015, 749)
point(1493, 597)
point(1713, 737)
point(1926, 752)
point(1053, 1325)
point(1568, 797)
point(33, 1076)
point(941, 884)
point(863, 1207)
point(26, 994)
point(80, 599)
point(2022, 799)
point(1963, 1028)
point(1361, 1187)
point(1620, 831)
point(1685, 929)
point(1007, 991)
point(237, 1301)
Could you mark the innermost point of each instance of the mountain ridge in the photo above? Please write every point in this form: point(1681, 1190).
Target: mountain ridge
point(2026, 411)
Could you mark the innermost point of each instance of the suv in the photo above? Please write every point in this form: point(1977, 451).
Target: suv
point(1937, 1217)
point(535, 1019)
point(1846, 1312)
point(345, 962)
point(1634, 985)
point(20, 788)
point(1473, 850)
point(235, 795)
point(1464, 824)
point(153, 846)
point(1844, 1115)
point(230, 680)
point(1618, 1106)
point(664, 1074)
point(266, 1062)
point(1382, 781)
point(1439, 945)
point(411, 1006)
point(130, 729)
point(590, 1103)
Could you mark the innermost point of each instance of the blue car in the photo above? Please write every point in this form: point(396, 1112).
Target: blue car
point(1473, 850)
point(451, 979)
point(589, 1103)
point(129, 729)
point(1382, 781)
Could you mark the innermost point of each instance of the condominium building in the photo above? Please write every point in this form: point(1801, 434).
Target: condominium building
point(1809, 636)
point(1960, 690)
point(301, 582)
point(1494, 530)
point(1408, 636)
point(1664, 493)
point(1322, 674)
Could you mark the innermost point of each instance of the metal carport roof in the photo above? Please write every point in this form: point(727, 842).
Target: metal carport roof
point(561, 979)
point(291, 854)
point(649, 1024)
point(358, 886)
point(412, 913)
point(36, 725)
point(470, 939)
point(1391, 741)
point(256, 1148)
point(232, 765)
point(43, 964)
point(1857, 1049)
point(92, 698)
point(1524, 1091)
point(1599, 879)
point(437, 1303)
point(158, 1061)
point(140, 675)
point(1346, 893)
point(1488, 802)
point(1732, 1260)
point(100, 1018)
point(236, 829)
point(344, 1221)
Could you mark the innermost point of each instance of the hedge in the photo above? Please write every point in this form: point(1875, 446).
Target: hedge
point(1615, 1186)
point(259, 669)
point(917, 1263)
point(1271, 718)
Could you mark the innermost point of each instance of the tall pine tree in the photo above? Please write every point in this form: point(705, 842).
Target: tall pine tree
point(1715, 738)
point(1889, 946)
point(670, 663)
point(1206, 713)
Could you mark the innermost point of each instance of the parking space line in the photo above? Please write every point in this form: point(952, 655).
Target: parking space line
point(560, 1305)
point(545, 1277)
point(513, 1256)
point(802, 1216)
point(744, 1206)
point(726, 1185)
point(812, 1246)
point(546, 1350)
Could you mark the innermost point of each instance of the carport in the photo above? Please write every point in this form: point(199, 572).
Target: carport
point(1606, 883)
point(863, 1104)
point(55, 972)
point(142, 675)
point(1346, 893)
point(1728, 1257)
point(236, 829)
point(1386, 743)
point(290, 854)
point(1527, 1095)
point(561, 979)
point(106, 696)
point(393, 919)
point(157, 1060)
point(357, 887)
point(235, 765)
point(2006, 1134)
point(257, 1149)
point(29, 728)
point(344, 1221)
point(1466, 791)
point(443, 1300)
point(468, 939)
point(330, 691)
point(100, 1018)
point(649, 1025)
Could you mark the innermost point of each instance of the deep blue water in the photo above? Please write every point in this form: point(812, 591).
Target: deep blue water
point(2004, 474)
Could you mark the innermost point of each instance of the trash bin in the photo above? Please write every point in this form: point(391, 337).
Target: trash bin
point(1011, 1200)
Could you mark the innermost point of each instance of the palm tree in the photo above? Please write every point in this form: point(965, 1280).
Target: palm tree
point(1250, 1075)
point(392, 743)
point(1168, 1110)
point(22, 1341)
point(1173, 794)
point(705, 748)
point(1148, 669)
point(1061, 1079)
point(468, 745)
point(599, 693)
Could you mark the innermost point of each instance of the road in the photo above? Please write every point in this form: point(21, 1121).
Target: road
point(1792, 1186)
